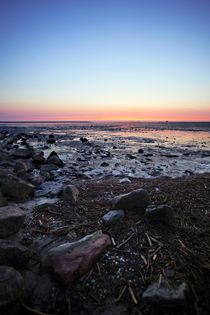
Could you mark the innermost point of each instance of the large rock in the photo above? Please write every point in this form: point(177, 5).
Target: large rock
point(70, 260)
point(46, 169)
point(135, 200)
point(11, 220)
point(11, 291)
point(3, 200)
point(113, 216)
point(53, 158)
point(165, 294)
point(13, 254)
point(161, 214)
point(22, 153)
point(70, 193)
point(17, 188)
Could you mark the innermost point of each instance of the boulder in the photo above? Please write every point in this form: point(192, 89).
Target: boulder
point(38, 157)
point(113, 216)
point(161, 214)
point(135, 200)
point(53, 158)
point(70, 260)
point(44, 169)
point(13, 254)
point(11, 220)
point(3, 200)
point(11, 291)
point(17, 188)
point(164, 294)
point(22, 153)
point(70, 193)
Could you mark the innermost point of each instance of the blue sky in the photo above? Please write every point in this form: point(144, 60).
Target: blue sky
point(104, 59)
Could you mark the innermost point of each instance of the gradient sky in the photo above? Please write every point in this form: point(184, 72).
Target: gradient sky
point(104, 59)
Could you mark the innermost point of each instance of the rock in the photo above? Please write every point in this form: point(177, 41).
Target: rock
point(70, 193)
point(38, 157)
point(48, 168)
point(83, 139)
point(13, 254)
point(51, 139)
point(3, 200)
point(131, 156)
point(165, 294)
point(22, 153)
point(4, 156)
point(49, 188)
point(135, 200)
point(11, 291)
point(125, 180)
point(113, 216)
point(53, 158)
point(11, 220)
point(104, 164)
point(69, 261)
point(17, 188)
point(23, 166)
point(161, 214)
point(141, 151)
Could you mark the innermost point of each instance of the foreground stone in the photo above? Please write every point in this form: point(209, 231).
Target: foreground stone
point(135, 200)
point(53, 158)
point(11, 220)
point(70, 193)
point(13, 254)
point(70, 260)
point(165, 294)
point(17, 188)
point(38, 157)
point(11, 291)
point(161, 214)
point(113, 216)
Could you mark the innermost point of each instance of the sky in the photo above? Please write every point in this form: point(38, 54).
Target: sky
point(105, 59)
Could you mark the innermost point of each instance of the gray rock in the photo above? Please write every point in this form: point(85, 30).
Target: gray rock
point(11, 220)
point(22, 153)
point(17, 188)
point(70, 193)
point(38, 157)
point(53, 158)
point(165, 294)
point(113, 216)
point(161, 214)
point(50, 188)
point(11, 291)
point(48, 168)
point(125, 180)
point(22, 166)
point(13, 254)
point(135, 200)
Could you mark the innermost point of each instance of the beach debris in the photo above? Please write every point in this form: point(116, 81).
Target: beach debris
point(135, 200)
point(11, 290)
point(53, 158)
point(13, 254)
point(16, 187)
point(113, 216)
point(70, 193)
point(162, 293)
point(11, 220)
point(70, 260)
point(160, 214)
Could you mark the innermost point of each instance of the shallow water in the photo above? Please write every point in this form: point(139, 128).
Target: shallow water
point(169, 148)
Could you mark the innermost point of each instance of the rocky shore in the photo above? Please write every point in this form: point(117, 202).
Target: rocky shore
point(71, 243)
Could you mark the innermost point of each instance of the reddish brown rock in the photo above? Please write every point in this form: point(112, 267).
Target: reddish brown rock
point(67, 267)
